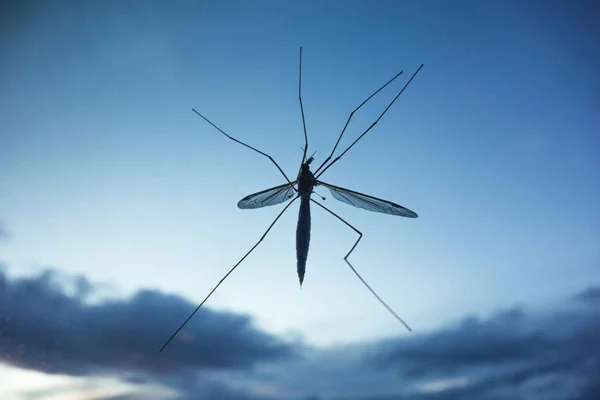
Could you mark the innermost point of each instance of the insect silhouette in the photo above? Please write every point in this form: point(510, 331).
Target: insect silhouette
point(302, 188)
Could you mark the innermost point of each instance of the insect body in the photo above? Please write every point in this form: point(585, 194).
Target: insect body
point(306, 183)
point(302, 188)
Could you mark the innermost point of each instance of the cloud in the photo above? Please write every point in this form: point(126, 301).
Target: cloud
point(50, 326)
point(44, 328)
point(590, 295)
point(513, 354)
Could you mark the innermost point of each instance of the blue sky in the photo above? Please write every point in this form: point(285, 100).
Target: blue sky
point(107, 174)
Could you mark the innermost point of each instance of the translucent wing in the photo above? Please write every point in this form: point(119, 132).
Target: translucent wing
point(368, 202)
point(268, 197)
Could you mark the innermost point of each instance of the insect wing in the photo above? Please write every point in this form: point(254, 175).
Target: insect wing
point(268, 197)
point(367, 202)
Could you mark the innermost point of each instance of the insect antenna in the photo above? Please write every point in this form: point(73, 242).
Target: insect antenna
point(226, 275)
point(372, 125)
point(355, 271)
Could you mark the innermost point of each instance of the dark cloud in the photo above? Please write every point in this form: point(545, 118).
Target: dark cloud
point(512, 354)
point(49, 326)
point(44, 328)
point(591, 295)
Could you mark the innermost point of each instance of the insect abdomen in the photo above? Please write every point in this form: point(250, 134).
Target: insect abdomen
point(303, 237)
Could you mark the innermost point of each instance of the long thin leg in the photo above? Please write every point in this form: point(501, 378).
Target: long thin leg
point(244, 144)
point(302, 108)
point(227, 274)
point(350, 117)
point(354, 270)
point(372, 125)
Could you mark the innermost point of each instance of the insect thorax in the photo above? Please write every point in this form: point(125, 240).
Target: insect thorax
point(306, 181)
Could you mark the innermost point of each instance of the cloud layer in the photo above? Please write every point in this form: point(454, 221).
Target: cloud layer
point(513, 354)
point(44, 328)
point(50, 326)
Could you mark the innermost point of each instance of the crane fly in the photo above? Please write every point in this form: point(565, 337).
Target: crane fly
point(302, 188)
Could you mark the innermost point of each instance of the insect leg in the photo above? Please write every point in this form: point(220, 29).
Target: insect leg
point(302, 108)
point(226, 275)
point(354, 270)
point(244, 144)
point(350, 117)
point(372, 125)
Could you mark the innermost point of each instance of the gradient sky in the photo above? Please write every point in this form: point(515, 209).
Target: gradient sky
point(105, 172)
